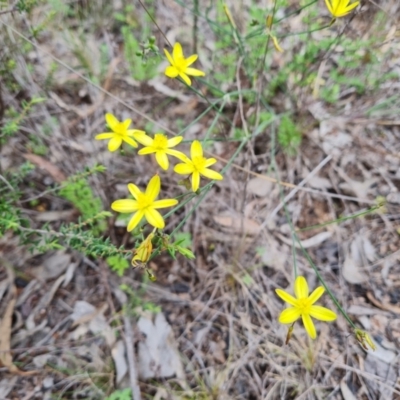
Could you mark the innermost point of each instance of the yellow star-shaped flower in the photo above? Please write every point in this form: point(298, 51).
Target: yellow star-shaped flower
point(180, 65)
point(144, 204)
point(160, 145)
point(120, 133)
point(303, 306)
point(340, 8)
point(197, 165)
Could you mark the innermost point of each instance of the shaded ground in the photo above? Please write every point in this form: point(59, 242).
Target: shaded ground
point(66, 310)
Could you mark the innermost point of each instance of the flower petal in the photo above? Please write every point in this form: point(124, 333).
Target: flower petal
point(183, 169)
point(210, 161)
point(135, 132)
point(196, 150)
point(171, 72)
point(146, 150)
point(114, 144)
point(134, 190)
point(169, 57)
point(124, 205)
point(177, 51)
point(154, 218)
point(136, 218)
point(162, 160)
point(195, 181)
point(145, 140)
point(130, 141)
point(102, 136)
point(153, 188)
point(194, 72)
point(286, 297)
point(111, 120)
point(309, 326)
point(126, 124)
point(210, 174)
point(322, 313)
point(301, 287)
point(185, 78)
point(174, 141)
point(328, 6)
point(165, 203)
point(191, 59)
point(289, 315)
point(316, 294)
point(177, 154)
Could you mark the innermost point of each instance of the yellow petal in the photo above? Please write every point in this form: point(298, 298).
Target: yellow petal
point(289, 315)
point(183, 169)
point(145, 140)
point(322, 313)
point(176, 154)
point(154, 218)
point(135, 132)
point(165, 203)
point(195, 181)
point(102, 136)
point(301, 287)
point(329, 7)
point(114, 144)
point(174, 141)
point(276, 44)
point(153, 188)
point(169, 57)
point(286, 297)
point(316, 294)
point(210, 161)
point(309, 326)
point(134, 190)
point(136, 218)
point(171, 72)
point(162, 160)
point(194, 72)
point(185, 78)
point(177, 51)
point(112, 121)
point(146, 150)
point(130, 141)
point(196, 150)
point(210, 174)
point(191, 59)
point(124, 206)
point(126, 124)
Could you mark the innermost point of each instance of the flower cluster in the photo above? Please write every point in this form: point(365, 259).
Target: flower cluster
point(144, 204)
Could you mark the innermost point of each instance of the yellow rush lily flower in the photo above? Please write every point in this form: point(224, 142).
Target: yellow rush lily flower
point(303, 306)
point(144, 205)
point(143, 252)
point(197, 165)
point(120, 133)
point(160, 145)
point(180, 65)
point(340, 8)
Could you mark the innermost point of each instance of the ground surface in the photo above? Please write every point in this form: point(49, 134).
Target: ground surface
point(207, 328)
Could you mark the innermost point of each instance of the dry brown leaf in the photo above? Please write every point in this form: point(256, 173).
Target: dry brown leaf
point(238, 224)
point(52, 169)
point(351, 271)
point(346, 392)
point(5, 337)
point(307, 243)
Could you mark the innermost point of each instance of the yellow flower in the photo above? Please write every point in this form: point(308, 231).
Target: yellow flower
point(340, 8)
point(120, 133)
point(160, 145)
point(180, 65)
point(144, 205)
point(197, 166)
point(302, 306)
point(364, 339)
point(143, 252)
